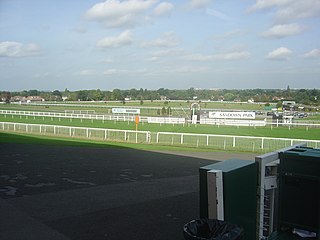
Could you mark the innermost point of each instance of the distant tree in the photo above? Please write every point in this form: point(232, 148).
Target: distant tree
point(96, 95)
point(73, 96)
point(57, 93)
point(116, 95)
point(6, 97)
point(162, 92)
point(163, 111)
point(279, 104)
point(229, 97)
point(83, 95)
point(33, 93)
point(169, 111)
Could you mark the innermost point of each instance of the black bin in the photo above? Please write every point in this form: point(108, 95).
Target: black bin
point(212, 229)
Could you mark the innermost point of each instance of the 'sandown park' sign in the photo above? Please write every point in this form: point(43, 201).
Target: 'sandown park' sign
point(233, 115)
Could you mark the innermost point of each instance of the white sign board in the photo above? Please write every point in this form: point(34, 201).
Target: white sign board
point(233, 115)
point(125, 111)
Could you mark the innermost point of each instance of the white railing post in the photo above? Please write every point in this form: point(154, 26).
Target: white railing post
point(262, 143)
point(136, 137)
point(148, 137)
point(207, 140)
point(181, 142)
point(157, 138)
point(234, 142)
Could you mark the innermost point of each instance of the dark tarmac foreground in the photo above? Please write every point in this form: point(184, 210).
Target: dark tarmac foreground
point(85, 193)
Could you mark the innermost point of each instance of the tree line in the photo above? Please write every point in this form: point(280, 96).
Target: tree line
point(301, 96)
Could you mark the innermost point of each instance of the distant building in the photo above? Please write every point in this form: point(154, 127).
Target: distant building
point(292, 103)
point(163, 98)
point(275, 98)
point(30, 99)
point(17, 99)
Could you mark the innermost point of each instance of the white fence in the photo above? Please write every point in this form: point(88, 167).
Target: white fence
point(79, 132)
point(210, 141)
point(234, 122)
point(169, 120)
point(161, 120)
point(114, 117)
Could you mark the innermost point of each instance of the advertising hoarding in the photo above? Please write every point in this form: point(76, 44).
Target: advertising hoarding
point(232, 115)
point(125, 111)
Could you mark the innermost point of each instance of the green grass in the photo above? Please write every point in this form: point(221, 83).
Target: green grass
point(102, 106)
point(50, 140)
point(279, 132)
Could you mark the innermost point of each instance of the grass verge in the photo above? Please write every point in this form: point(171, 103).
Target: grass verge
point(48, 140)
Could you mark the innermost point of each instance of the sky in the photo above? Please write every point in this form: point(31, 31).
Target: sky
point(152, 44)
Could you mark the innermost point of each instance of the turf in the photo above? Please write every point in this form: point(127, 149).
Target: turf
point(274, 132)
point(50, 140)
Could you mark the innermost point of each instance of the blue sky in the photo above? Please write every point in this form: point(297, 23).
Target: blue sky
point(90, 44)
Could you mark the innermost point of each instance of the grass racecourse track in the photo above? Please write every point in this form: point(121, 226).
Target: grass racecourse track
point(102, 106)
point(273, 132)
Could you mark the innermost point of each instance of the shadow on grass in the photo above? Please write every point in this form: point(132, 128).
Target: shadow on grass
point(48, 140)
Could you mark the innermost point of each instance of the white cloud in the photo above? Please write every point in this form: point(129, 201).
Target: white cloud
point(288, 10)
point(163, 9)
point(315, 53)
point(284, 30)
point(234, 55)
point(115, 13)
point(86, 72)
point(16, 49)
point(42, 75)
point(199, 3)
point(124, 38)
point(198, 57)
point(281, 53)
point(113, 71)
point(299, 9)
point(189, 69)
point(218, 14)
point(263, 4)
point(167, 53)
point(231, 34)
point(168, 39)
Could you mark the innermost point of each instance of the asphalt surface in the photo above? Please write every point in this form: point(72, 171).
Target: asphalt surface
point(60, 192)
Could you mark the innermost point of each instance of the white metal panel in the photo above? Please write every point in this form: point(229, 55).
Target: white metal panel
point(215, 194)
